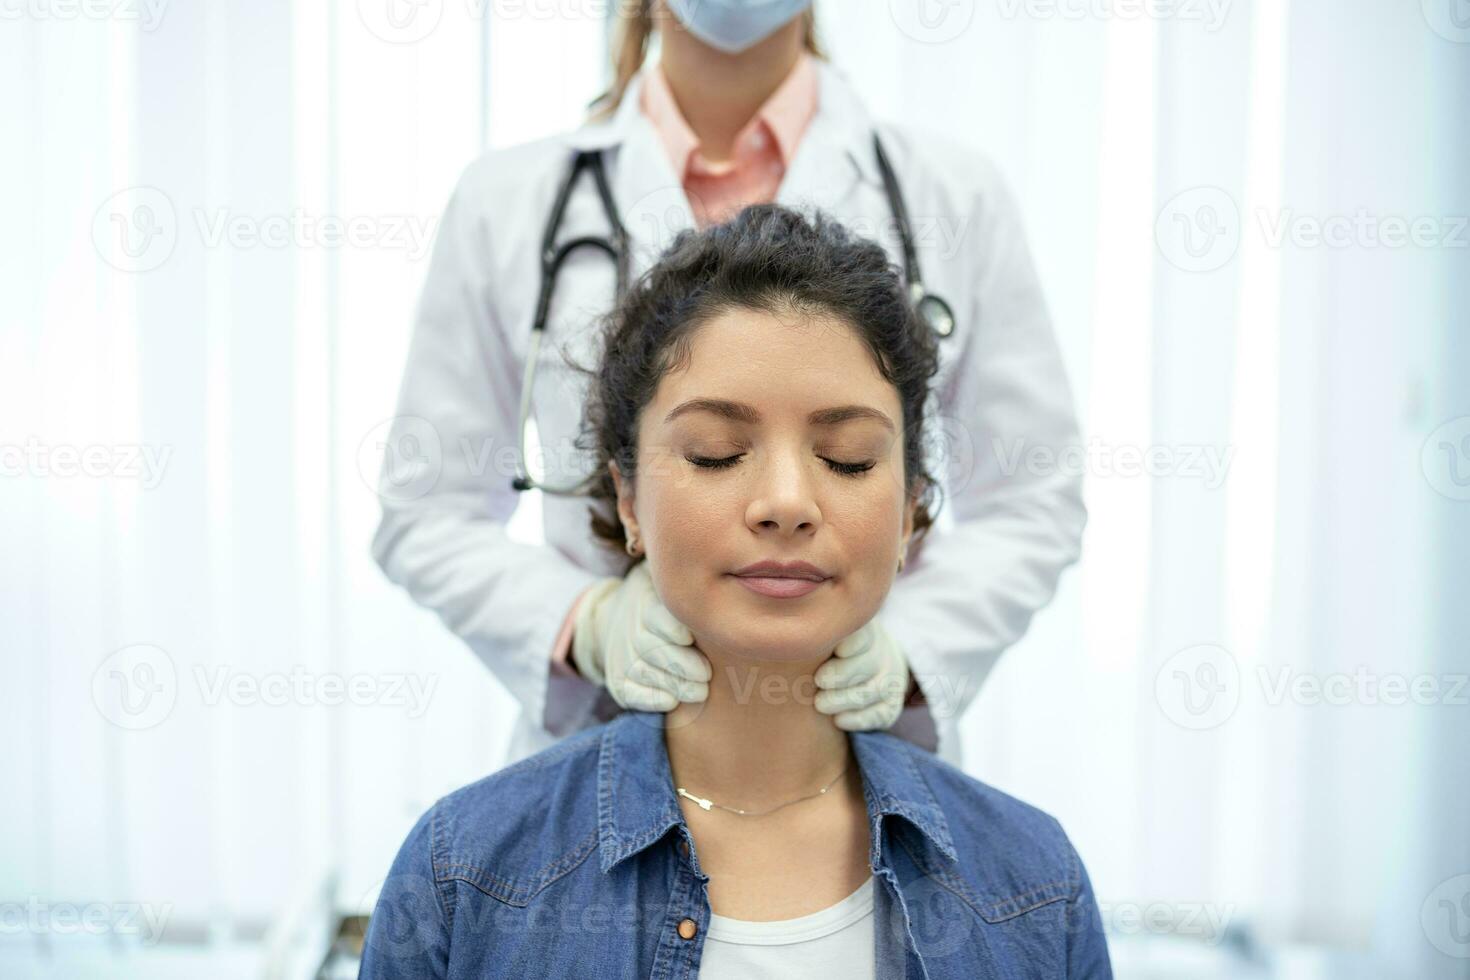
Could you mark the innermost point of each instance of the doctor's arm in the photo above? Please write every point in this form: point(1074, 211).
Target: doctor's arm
point(445, 486)
point(970, 590)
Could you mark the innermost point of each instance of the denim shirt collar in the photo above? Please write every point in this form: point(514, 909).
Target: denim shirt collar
point(636, 804)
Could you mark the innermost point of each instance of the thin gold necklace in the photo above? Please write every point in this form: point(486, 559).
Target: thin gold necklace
point(706, 804)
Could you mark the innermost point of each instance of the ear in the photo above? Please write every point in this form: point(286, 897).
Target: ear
point(625, 501)
point(910, 508)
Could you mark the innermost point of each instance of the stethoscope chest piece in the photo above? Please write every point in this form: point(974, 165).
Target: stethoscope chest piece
point(935, 314)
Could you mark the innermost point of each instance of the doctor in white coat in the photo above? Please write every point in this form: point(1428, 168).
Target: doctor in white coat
point(571, 639)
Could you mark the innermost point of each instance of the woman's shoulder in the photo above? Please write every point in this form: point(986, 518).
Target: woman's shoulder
point(1001, 842)
point(515, 830)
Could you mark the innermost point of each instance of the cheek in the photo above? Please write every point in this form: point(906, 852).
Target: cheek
point(680, 518)
point(869, 531)
point(688, 530)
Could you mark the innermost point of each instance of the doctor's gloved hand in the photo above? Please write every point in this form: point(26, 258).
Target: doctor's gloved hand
point(865, 682)
point(627, 641)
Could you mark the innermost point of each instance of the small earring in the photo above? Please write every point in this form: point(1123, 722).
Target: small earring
point(900, 563)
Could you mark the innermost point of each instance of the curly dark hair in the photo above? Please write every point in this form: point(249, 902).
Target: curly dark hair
point(771, 259)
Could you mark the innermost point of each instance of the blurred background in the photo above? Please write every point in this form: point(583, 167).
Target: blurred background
point(1248, 704)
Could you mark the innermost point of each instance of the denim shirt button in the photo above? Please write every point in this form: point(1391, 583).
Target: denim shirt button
point(683, 848)
point(687, 928)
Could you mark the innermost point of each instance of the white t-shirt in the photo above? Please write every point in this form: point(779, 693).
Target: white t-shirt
point(836, 941)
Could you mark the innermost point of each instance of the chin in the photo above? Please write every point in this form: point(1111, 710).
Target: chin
point(742, 631)
point(747, 647)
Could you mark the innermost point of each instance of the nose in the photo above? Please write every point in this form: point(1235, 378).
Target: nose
point(783, 498)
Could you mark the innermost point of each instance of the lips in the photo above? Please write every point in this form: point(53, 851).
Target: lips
point(781, 580)
point(784, 569)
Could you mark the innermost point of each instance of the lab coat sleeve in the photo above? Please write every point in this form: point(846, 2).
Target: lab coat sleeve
point(970, 590)
point(442, 535)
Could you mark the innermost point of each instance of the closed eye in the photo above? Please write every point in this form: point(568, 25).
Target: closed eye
point(846, 469)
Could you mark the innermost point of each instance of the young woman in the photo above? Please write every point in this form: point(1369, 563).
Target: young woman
point(757, 411)
point(738, 108)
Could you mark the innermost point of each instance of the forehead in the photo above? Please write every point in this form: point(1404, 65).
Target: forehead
point(757, 356)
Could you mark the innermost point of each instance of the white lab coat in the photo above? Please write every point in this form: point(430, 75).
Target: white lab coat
point(963, 599)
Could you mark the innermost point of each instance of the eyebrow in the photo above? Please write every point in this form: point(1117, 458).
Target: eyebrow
point(741, 412)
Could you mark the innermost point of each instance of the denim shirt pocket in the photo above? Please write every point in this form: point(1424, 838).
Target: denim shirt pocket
point(516, 887)
point(1001, 909)
point(1019, 917)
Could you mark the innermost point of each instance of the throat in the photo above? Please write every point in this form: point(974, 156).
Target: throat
point(757, 741)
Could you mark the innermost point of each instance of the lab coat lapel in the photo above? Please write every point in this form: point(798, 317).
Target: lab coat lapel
point(648, 193)
point(830, 161)
point(650, 196)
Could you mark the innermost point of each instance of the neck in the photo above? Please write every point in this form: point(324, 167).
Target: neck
point(758, 740)
point(717, 92)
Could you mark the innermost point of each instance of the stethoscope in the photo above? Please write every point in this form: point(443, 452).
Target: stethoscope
point(930, 307)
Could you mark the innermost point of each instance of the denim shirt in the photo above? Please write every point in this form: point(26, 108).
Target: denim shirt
point(577, 862)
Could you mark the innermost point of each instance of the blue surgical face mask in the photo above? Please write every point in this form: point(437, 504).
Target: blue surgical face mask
point(734, 25)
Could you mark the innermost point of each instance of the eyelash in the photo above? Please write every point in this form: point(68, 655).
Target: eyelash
point(845, 469)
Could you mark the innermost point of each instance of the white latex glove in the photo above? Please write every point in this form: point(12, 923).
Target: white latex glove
point(865, 680)
point(627, 641)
